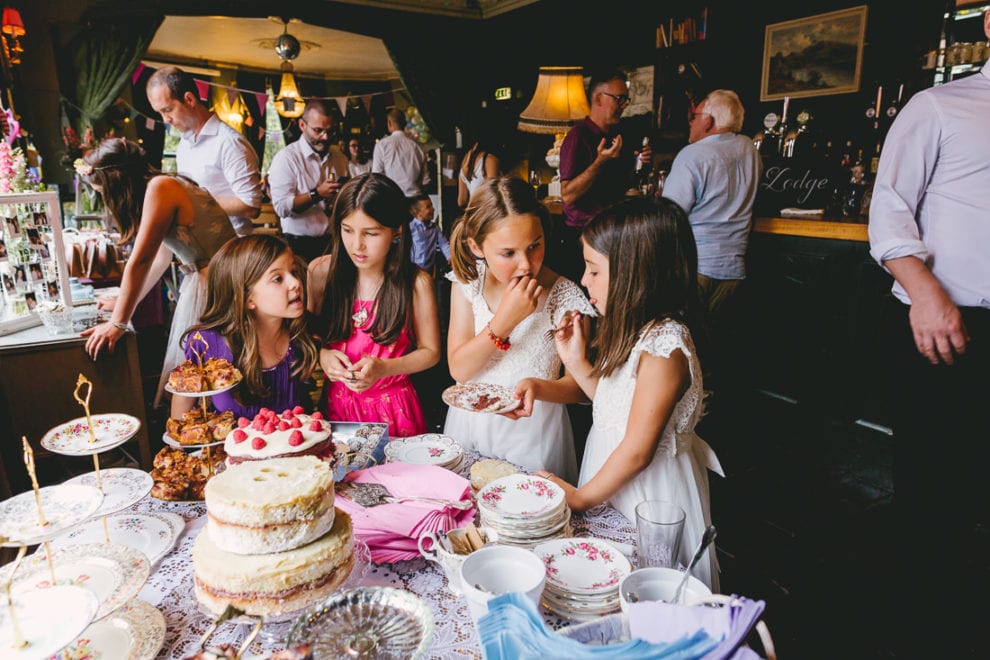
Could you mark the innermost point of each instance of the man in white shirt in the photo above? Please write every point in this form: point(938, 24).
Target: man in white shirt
point(211, 153)
point(930, 228)
point(400, 158)
point(304, 178)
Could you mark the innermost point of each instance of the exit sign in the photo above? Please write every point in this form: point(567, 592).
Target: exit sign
point(503, 93)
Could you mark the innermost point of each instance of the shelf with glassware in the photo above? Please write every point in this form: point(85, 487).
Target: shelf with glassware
point(963, 47)
point(32, 260)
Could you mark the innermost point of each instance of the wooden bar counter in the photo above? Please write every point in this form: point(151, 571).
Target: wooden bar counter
point(38, 374)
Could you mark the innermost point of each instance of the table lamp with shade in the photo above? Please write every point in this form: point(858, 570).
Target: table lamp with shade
point(558, 103)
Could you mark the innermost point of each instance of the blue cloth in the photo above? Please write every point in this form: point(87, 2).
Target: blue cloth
point(514, 630)
point(931, 199)
point(285, 392)
point(426, 238)
point(715, 180)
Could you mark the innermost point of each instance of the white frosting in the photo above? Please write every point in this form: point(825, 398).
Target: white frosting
point(244, 540)
point(272, 492)
point(277, 443)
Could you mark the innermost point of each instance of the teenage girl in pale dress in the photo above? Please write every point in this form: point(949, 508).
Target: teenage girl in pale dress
point(502, 305)
point(645, 379)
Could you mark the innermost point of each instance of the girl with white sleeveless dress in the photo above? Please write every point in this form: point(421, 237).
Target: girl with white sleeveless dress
point(645, 378)
point(503, 305)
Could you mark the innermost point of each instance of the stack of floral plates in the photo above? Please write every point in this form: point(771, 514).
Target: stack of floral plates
point(583, 576)
point(426, 449)
point(524, 510)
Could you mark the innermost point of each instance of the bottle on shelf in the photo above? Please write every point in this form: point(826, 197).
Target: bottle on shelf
point(852, 206)
point(875, 159)
point(798, 143)
point(892, 107)
point(642, 176)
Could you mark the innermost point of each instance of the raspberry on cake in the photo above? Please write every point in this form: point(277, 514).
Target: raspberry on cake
point(274, 436)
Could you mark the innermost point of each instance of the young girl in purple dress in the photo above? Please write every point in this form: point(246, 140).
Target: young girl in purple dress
point(255, 319)
point(377, 312)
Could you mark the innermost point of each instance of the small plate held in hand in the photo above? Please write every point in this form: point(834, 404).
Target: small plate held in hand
point(481, 397)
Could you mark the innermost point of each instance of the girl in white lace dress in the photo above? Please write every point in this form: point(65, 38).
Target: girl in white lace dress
point(645, 379)
point(501, 308)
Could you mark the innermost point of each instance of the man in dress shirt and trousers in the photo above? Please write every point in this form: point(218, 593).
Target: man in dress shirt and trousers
point(930, 228)
point(211, 153)
point(304, 178)
point(714, 179)
point(400, 158)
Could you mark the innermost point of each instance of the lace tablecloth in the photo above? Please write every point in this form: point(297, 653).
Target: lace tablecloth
point(170, 588)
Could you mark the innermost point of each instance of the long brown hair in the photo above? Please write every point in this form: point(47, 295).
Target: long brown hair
point(121, 171)
point(652, 273)
point(234, 269)
point(379, 198)
point(492, 202)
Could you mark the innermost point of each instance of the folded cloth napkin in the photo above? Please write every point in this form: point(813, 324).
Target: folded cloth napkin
point(391, 530)
point(513, 628)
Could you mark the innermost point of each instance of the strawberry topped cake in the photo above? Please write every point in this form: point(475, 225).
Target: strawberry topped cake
point(272, 435)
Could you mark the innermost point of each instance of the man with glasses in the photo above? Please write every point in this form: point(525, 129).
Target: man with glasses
point(211, 153)
point(714, 179)
point(304, 178)
point(593, 173)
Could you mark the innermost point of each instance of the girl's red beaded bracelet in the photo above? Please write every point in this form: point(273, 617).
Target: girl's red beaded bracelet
point(500, 344)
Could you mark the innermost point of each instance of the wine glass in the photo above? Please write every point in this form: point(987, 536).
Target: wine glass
point(534, 180)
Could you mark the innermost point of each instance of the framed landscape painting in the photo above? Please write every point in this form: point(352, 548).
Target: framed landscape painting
point(814, 56)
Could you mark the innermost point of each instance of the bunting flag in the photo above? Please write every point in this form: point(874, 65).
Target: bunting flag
point(232, 95)
point(366, 102)
point(137, 73)
point(342, 104)
point(262, 102)
point(203, 88)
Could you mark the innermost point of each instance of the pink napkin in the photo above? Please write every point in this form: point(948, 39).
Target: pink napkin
point(391, 530)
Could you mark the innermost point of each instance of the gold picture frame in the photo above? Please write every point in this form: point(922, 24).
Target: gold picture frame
point(814, 56)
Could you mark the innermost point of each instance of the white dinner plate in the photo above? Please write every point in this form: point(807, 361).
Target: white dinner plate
point(582, 565)
point(154, 534)
point(136, 631)
point(115, 573)
point(37, 610)
point(72, 437)
point(122, 487)
point(168, 388)
point(425, 449)
point(521, 496)
point(481, 397)
point(64, 507)
point(172, 442)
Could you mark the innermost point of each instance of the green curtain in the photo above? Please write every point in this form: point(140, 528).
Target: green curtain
point(97, 62)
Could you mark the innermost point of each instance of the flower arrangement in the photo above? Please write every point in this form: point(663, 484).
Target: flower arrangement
point(75, 147)
point(14, 174)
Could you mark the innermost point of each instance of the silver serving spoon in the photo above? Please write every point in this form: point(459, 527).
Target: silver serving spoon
point(368, 495)
point(706, 540)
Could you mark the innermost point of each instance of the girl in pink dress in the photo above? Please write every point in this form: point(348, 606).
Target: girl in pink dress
point(376, 311)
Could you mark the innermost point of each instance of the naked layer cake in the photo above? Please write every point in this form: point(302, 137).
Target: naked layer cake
point(273, 542)
point(261, 507)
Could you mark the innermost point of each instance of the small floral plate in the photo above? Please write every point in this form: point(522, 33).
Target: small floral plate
point(122, 487)
point(425, 449)
point(582, 565)
point(168, 388)
point(115, 573)
point(521, 496)
point(72, 438)
point(64, 507)
point(154, 534)
point(481, 397)
point(48, 619)
point(136, 631)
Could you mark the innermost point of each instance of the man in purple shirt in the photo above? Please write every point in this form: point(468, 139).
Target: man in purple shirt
point(593, 173)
